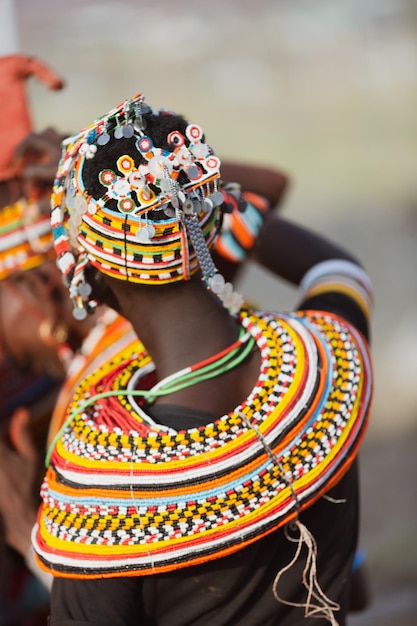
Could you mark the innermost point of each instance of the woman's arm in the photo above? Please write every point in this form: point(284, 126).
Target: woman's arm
point(266, 181)
point(329, 277)
point(290, 250)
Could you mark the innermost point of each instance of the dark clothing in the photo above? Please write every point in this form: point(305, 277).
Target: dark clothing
point(232, 591)
point(235, 590)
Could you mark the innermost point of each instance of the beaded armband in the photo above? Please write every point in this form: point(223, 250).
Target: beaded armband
point(240, 229)
point(341, 276)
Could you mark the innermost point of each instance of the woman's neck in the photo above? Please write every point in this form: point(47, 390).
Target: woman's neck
point(181, 325)
point(187, 325)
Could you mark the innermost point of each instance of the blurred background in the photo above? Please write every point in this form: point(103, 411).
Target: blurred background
point(326, 90)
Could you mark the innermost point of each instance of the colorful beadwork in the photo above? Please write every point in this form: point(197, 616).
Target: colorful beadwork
point(240, 229)
point(126, 496)
point(25, 238)
point(111, 335)
point(129, 242)
point(341, 276)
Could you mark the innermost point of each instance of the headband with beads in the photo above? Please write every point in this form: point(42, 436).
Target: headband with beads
point(25, 238)
point(126, 242)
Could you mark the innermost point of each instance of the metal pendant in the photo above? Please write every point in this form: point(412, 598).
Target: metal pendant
point(103, 139)
point(128, 131)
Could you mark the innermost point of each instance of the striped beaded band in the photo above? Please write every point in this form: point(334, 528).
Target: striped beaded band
point(341, 276)
point(158, 211)
point(127, 496)
point(241, 229)
point(25, 238)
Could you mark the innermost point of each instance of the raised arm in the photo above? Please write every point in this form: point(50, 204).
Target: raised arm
point(290, 250)
point(266, 181)
point(329, 277)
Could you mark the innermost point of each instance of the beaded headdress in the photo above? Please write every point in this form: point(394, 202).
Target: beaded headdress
point(25, 238)
point(146, 212)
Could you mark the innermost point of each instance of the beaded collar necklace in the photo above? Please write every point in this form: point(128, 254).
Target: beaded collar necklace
point(211, 367)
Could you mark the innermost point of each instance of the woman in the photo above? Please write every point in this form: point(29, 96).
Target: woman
point(185, 472)
point(45, 347)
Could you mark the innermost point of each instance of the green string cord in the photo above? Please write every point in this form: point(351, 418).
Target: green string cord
point(188, 375)
point(187, 380)
point(205, 373)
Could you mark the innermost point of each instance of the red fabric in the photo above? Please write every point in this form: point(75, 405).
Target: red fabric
point(15, 118)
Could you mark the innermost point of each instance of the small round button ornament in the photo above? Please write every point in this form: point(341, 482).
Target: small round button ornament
point(188, 207)
point(103, 139)
point(145, 234)
point(85, 290)
point(79, 313)
point(118, 133)
point(126, 205)
point(128, 131)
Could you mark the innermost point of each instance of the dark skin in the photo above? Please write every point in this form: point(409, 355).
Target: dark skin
point(30, 296)
point(158, 314)
point(289, 250)
point(268, 182)
point(183, 323)
point(10, 191)
point(175, 340)
point(36, 162)
point(265, 181)
point(27, 299)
